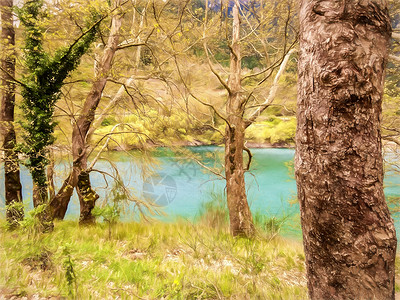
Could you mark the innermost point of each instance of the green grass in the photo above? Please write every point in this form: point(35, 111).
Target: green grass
point(150, 261)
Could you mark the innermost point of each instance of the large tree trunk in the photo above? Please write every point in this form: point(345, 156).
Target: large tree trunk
point(241, 221)
point(349, 236)
point(78, 178)
point(13, 188)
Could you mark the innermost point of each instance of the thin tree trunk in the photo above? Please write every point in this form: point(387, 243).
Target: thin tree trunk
point(50, 175)
point(13, 188)
point(349, 236)
point(87, 196)
point(241, 221)
point(122, 90)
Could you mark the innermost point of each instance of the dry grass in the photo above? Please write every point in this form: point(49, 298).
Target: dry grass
point(149, 261)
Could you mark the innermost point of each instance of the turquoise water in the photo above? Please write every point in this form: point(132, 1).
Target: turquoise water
point(270, 183)
point(186, 185)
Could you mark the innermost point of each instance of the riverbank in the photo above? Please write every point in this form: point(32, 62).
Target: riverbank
point(197, 143)
point(149, 261)
point(64, 151)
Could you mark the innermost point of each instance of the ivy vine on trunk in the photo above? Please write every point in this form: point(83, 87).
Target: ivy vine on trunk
point(41, 86)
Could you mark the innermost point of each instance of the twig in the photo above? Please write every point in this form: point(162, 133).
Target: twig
point(394, 57)
point(272, 92)
point(250, 158)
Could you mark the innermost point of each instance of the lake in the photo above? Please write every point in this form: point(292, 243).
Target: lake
point(180, 186)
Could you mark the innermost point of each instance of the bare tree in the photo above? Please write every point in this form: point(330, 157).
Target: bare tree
point(13, 188)
point(140, 35)
point(243, 105)
point(79, 178)
point(349, 236)
point(241, 220)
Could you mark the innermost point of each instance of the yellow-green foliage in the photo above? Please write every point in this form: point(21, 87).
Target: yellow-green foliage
point(151, 261)
point(180, 128)
point(154, 128)
point(275, 130)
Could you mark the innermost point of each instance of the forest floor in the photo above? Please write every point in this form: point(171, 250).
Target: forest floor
point(149, 261)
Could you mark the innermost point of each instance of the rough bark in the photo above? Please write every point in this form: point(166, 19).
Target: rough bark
point(349, 236)
point(13, 188)
point(59, 204)
point(241, 221)
point(50, 176)
point(87, 199)
point(87, 196)
point(40, 199)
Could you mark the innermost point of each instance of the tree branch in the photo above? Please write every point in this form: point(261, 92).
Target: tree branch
point(208, 168)
point(273, 90)
point(220, 79)
point(196, 98)
point(110, 105)
point(129, 45)
point(391, 139)
point(93, 27)
point(396, 35)
point(14, 80)
point(250, 158)
point(394, 58)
